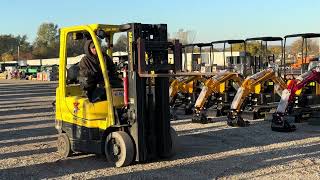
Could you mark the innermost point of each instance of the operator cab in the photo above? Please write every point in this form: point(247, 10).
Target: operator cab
point(76, 116)
point(74, 93)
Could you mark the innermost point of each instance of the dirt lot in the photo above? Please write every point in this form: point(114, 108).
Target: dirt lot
point(212, 151)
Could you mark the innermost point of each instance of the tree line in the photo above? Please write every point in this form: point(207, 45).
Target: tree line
point(46, 45)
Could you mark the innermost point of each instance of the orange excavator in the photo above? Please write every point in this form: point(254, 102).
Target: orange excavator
point(299, 62)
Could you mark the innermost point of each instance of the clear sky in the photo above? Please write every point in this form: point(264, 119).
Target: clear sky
point(210, 19)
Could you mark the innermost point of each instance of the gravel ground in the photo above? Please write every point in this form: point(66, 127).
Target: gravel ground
point(211, 151)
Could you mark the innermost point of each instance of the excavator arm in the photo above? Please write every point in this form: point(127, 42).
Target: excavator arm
point(212, 85)
point(177, 86)
point(287, 98)
point(248, 87)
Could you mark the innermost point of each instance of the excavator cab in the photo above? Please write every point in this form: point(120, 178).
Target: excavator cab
point(310, 94)
point(132, 124)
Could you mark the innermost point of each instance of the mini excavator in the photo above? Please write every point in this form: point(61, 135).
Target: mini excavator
point(249, 94)
point(294, 99)
point(279, 123)
point(219, 90)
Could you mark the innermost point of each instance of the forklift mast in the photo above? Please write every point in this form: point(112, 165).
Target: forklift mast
point(148, 79)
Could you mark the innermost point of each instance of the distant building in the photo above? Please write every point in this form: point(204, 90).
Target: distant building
point(215, 58)
point(188, 59)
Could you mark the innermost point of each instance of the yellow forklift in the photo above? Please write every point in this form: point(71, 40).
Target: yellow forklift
point(132, 124)
point(218, 91)
point(256, 96)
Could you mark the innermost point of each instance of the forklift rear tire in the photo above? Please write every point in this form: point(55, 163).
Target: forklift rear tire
point(119, 148)
point(64, 146)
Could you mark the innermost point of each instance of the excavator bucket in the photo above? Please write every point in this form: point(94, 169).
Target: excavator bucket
point(236, 121)
point(281, 124)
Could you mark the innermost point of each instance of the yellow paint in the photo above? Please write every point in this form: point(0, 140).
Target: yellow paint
point(312, 84)
point(317, 89)
point(71, 104)
point(222, 87)
point(257, 89)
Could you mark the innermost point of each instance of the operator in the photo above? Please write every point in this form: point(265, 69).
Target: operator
point(90, 74)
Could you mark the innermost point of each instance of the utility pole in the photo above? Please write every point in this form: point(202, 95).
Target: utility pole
point(18, 51)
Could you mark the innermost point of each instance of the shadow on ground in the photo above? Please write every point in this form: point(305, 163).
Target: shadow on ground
point(196, 158)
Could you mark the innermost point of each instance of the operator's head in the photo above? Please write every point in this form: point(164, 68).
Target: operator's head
point(93, 49)
point(89, 48)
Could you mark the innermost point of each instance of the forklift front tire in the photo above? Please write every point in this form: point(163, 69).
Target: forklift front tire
point(64, 146)
point(174, 144)
point(119, 148)
point(174, 140)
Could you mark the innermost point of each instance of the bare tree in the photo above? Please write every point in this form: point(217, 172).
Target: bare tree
point(312, 47)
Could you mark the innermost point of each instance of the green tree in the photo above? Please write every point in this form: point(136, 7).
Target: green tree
point(7, 43)
point(10, 44)
point(75, 47)
point(46, 44)
point(255, 49)
point(276, 50)
point(6, 57)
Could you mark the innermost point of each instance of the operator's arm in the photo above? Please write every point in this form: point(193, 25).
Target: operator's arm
point(87, 77)
point(112, 69)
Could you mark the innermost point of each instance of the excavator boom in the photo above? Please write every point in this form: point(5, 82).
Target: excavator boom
point(248, 87)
